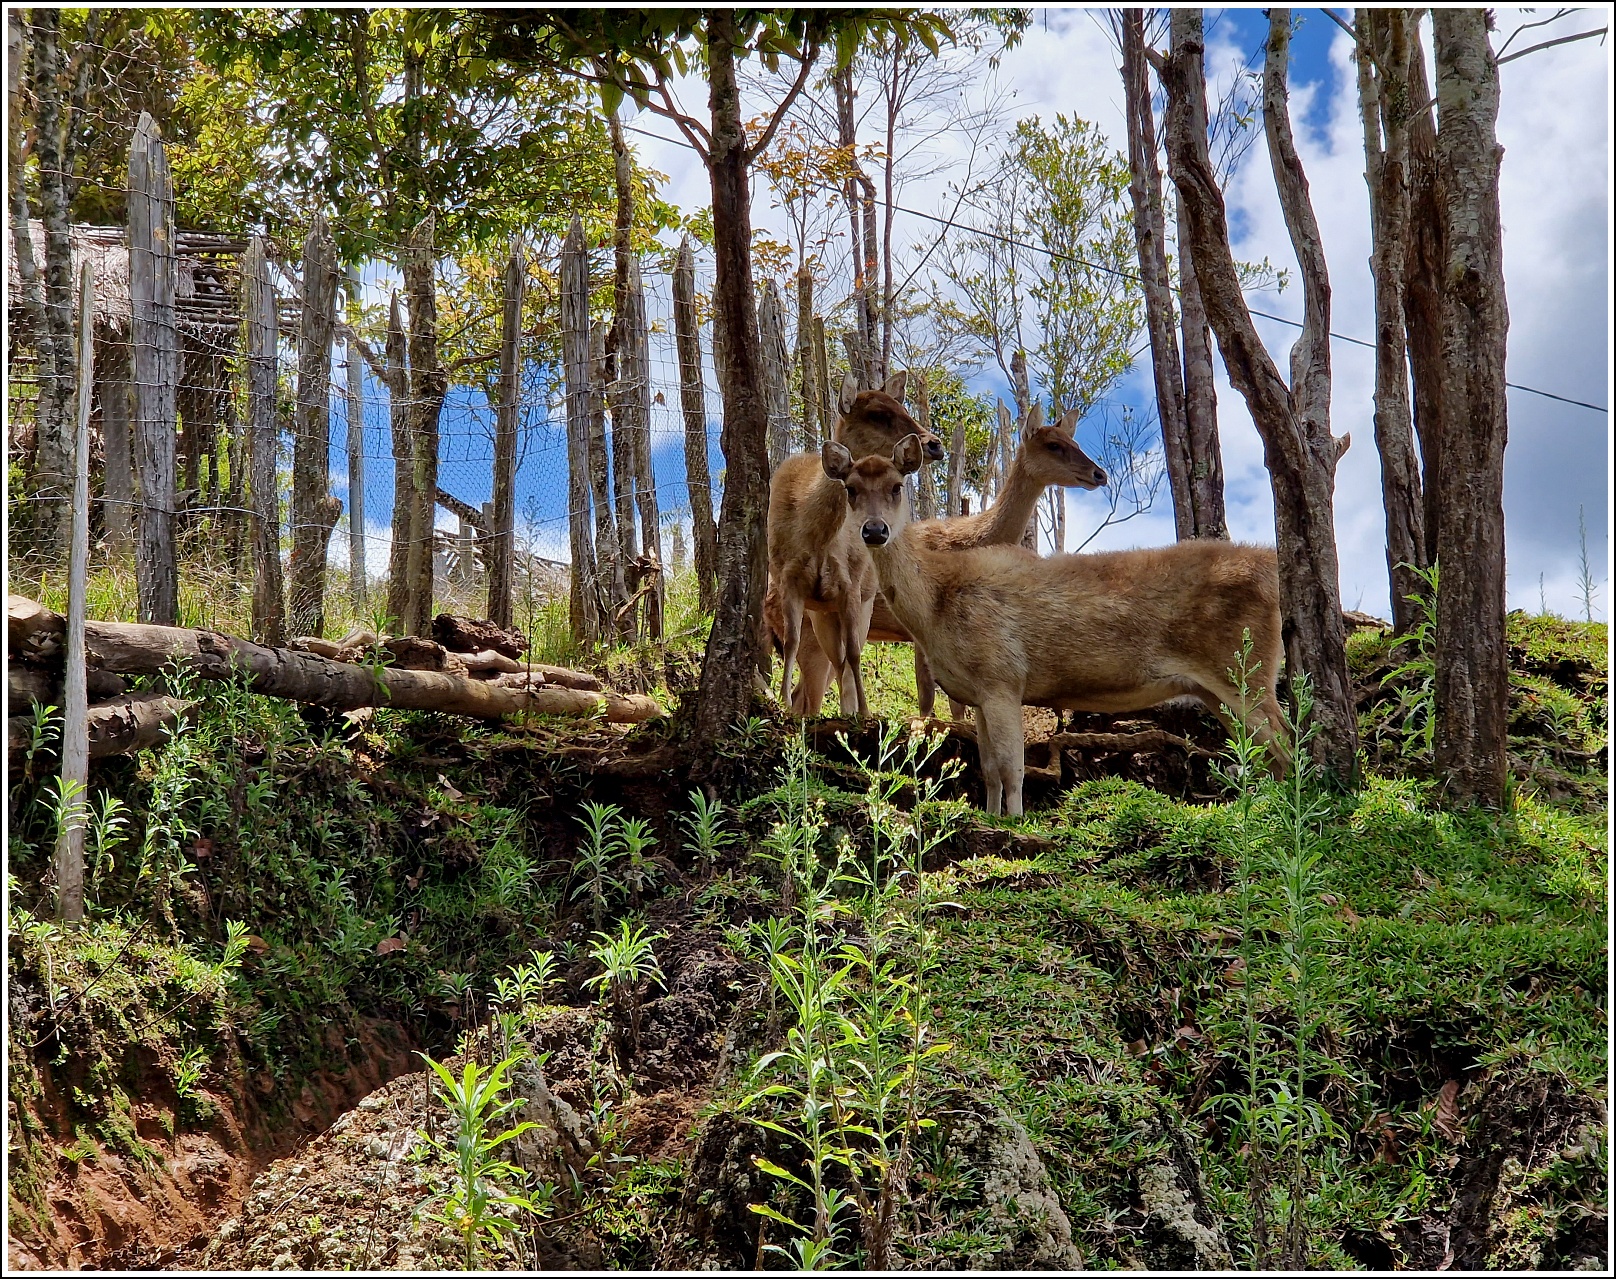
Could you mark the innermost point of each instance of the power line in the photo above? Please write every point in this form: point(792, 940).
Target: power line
point(951, 224)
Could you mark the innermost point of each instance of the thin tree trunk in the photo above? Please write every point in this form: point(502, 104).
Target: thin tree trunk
point(926, 490)
point(956, 470)
point(693, 400)
point(1200, 396)
point(1298, 448)
point(1022, 390)
point(502, 539)
point(1150, 241)
point(776, 393)
point(1422, 284)
point(311, 441)
point(53, 409)
point(1383, 100)
point(631, 423)
point(156, 368)
point(735, 646)
point(268, 608)
point(1472, 671)
point(428, 384)
point(828, 416)
point(586, 621)
point(808, 383)
point(398, 420)
point(29, 292)
point(118, 483)
point(625, 468)
point(355, 404)
point(608, 548)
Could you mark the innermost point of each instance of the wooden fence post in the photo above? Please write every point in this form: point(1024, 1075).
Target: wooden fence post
point(608, 547)
point(312, 516)
point(403, 445)
point(355, 404)
point(75, 708)
point(928, 489)
point(156, 370)
point(807, 383)
point(693, 400)
point(956, 468)
point(268, 609)
point(776, 367)
point(586, 604)
point(501, 542)
point(828, 415)
point(631, 419)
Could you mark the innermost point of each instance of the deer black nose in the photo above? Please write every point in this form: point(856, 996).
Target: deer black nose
point(1100, 478)
point(934, 449)
point(876, 532)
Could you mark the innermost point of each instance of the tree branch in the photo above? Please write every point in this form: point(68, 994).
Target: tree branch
point(1549, 44)
point(808, 60)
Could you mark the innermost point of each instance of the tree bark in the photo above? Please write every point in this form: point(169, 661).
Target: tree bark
point(268, 608)
point(428, 385)
point(1150, 241)
point(1383, 100)
point(693, 401)
point(1298, 449)
point(53, 409)
point(807, 381)
point(1472, 672)
point(29, 292)
point(776, 393)
point(1200, 396)
point(634, 365)
point(925, 489)
point(1422, 283)
point(734, 648)
point(608, 547)
point(118, 470)
point(586, 621)
point(355, 404)
point(398, 421)
point(861, 215)
point(311, 439)
point(502, 539)
point(156, 367)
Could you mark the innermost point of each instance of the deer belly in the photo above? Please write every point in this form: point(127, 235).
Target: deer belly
point(1115, 700)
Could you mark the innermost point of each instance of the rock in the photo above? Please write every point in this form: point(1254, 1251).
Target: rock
point(467, 635)
point(372, 1102)
point(284, 1261)
point(1177, 1240)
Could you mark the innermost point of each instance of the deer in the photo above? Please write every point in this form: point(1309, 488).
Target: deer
point(1047, 455)
point(1111, 631)
point(817, 565)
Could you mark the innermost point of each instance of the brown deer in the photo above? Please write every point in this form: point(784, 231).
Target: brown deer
point(1113, 632)
point(816, 562)
point(1047, 455)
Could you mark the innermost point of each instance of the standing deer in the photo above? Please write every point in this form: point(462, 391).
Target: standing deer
point(816, 562)
point(1111, 632)
point(1047, 455)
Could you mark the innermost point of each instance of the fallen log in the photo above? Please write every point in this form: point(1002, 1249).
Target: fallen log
point(468, 635)
point(33, 632)
point(119, 727)
point(131, 648)
point(562, 676)
point(1154, 739)
point(489, 660)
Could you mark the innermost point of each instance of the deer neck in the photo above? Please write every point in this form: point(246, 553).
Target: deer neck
point(1005, 522)
point(897, 567)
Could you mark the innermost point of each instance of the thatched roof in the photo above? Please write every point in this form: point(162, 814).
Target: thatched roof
point(207, 278)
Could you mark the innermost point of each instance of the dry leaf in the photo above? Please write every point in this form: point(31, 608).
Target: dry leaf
point(257, 945)
point(1139, 1048)
point(202, 850)
point(1235, 973)
point(448, 787)
point(389, 944)
point(414, 881)
point(1351, 916)
point(1329, 899)
point(1447, 1111)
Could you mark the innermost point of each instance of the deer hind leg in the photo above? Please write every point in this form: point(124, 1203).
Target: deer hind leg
point(1261, 712)
point(855, 626)
point(1002, 745)
point(790, 638)
point(815, 666)
point(925, 685)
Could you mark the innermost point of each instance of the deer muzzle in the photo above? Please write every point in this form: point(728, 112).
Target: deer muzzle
point(875, 532)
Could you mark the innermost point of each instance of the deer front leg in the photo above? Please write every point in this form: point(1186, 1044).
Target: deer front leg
point(790, 638)
point(1002, 745)
point(925, 685)
point(818, 658)
point(855, 626)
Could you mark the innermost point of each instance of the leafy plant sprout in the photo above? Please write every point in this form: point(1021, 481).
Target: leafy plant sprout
point(706, 837)
point(629, 962)
point(639, 871)
point(603, 841)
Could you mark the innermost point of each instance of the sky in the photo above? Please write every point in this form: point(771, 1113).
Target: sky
point(1554, 125)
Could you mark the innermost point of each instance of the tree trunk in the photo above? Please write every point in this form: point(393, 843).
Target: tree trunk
point(1383, 99)
point(268, 609)
point(1298, 448)
point(355, 404)
point(776, 362)
point(734, 648)
point(118, 481)
point(608, 547)
point(29, 293)
point(828, 416)
point(1150, 240)
point(156, 367)
point(311, 441)
point(53, 455)
point(693, 400)
point(956, 470)
point(1472, 672)
point(1200, 397)
point(926, 490)
point(1422, 284)
point(861, 214)
point(397, 378)
point(808, 383)
point(428, 384)
point(634, 363)
point(586, 622)
point(502, 537)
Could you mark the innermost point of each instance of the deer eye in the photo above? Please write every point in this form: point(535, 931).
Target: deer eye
point(896, 489)
point(1052, 447)
point(850, 494)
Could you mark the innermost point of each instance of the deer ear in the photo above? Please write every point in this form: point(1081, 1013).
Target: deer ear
point(836, 460)
point(897, 384)
point(1035, 422)
point(1068, 423)
point(849, 394)
point(906, 454)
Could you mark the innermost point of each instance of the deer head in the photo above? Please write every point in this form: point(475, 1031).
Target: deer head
point(874, 486)
point(1053, 456)
point(874, 421)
